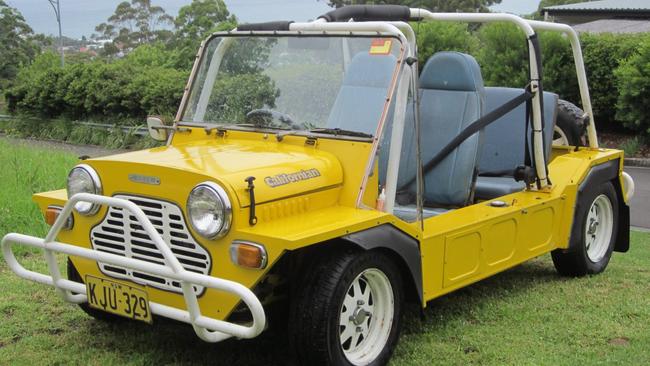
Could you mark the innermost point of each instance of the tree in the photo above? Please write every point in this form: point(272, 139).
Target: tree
point(18, 45)
point(434, 5)
point(200, 18)
point(194, 23)
point(136, 23)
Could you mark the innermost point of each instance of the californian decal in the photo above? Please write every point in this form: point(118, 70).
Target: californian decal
point(282, 179)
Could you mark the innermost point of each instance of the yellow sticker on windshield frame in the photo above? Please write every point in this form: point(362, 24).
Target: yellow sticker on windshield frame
point(381, 46)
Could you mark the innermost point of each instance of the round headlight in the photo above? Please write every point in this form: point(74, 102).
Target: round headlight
point(209, 210)
point(84, 179)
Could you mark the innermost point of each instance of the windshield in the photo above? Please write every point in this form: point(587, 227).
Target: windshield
point(309, 83)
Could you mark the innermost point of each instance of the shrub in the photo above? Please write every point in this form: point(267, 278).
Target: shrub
point(631, 147)
point(503, 56)
point(133, 87)
point(157, 90)
point(603, 54)
point(633, 82)
point(433, 37)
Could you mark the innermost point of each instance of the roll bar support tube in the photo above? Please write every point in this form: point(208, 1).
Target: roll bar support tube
point(580, 71)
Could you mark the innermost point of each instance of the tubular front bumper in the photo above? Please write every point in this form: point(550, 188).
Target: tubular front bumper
point(208, 329)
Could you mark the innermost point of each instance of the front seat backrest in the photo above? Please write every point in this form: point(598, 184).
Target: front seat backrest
point(363, 92)
point(452, 96)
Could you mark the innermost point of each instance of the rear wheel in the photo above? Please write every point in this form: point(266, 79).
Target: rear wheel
point(593, 243)
point(569, 128)
point(347, 311)
point(73, 275)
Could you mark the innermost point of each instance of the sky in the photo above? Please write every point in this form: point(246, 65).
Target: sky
point(79, 17)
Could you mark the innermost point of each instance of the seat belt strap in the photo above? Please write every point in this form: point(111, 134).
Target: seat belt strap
point(470, 130)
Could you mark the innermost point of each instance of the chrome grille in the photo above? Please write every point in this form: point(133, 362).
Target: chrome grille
point(122, 234)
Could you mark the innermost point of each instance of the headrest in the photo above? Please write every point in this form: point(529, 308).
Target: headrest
point(451, 71)
point(368, 70)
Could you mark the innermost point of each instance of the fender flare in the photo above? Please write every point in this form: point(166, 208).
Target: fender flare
point(389, 237)
point(599, 174)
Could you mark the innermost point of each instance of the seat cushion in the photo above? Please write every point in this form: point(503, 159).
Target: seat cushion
point(491, 187)
point(409, 213)
point(504, 145)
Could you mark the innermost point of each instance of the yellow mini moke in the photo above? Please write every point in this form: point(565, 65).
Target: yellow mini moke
point(323, 167)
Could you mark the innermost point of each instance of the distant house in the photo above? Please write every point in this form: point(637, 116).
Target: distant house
point(605, 16)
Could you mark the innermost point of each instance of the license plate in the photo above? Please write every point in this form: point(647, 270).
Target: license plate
point(117, 298)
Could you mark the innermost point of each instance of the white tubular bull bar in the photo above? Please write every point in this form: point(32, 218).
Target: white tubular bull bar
point(208, 329)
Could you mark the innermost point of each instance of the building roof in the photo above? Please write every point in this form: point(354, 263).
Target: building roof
point(608, 6)
point(614, 26)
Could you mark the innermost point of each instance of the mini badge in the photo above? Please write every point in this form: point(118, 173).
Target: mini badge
point(145, 179)
point(380, 46)
point(282, 179)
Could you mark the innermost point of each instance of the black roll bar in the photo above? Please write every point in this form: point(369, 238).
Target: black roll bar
point(366, 13)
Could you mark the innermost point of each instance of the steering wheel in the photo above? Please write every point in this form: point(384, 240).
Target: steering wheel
point(258, 115)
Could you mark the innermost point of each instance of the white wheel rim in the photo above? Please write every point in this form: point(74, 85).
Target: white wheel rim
point(366, 317)
point(599, 228)
point(559, 137)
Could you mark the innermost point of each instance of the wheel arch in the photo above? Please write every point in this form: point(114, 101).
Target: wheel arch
point(600, 174)
point(402, 248)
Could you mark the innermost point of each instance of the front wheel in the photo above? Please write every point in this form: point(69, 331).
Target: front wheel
point(347, 311)
point(592, 244)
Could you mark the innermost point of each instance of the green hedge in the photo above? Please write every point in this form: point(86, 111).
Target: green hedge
point(142, 83)
point(618, 83)
point(148, 82)
point(633, 81)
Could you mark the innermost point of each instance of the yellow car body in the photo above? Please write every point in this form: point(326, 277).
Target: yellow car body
point(456, 249)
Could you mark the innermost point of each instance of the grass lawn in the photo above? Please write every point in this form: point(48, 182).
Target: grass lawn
point(525, 316)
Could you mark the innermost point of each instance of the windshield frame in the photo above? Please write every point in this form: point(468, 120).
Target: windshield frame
point(390, 93)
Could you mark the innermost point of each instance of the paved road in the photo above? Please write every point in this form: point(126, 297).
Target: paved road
point(640, 205)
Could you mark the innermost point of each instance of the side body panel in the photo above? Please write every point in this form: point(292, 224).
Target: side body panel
point(469, 244)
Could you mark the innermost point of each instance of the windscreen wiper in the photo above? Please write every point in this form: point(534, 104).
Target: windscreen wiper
point(338, 131)
point(241, 127)
point(329, 131)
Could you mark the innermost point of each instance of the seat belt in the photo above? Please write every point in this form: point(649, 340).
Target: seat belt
point(470, 130)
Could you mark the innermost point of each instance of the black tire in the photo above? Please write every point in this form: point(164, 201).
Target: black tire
point(570, 123)
point(73, 275)
point(575, 261)
point(314, 329)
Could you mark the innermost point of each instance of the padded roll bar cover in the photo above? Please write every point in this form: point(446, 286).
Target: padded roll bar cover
point(361, 13)
point(281, 25)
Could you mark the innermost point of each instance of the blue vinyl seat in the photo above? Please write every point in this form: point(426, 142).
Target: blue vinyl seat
point(360, 101)
point(504, 145)
point(452, 96)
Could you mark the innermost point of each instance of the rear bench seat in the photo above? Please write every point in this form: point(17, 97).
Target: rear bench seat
point(503, 144)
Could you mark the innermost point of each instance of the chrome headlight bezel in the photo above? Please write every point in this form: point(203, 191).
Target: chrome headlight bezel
point(221, 198)
point(85, 208)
